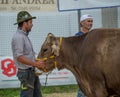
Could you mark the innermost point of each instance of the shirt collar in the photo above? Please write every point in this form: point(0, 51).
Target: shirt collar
point(21, 31)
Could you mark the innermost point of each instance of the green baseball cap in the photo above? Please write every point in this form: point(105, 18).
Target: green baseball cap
point(23, 16)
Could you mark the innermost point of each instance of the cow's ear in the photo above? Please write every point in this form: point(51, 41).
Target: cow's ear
point(50, 35)
point(50, 38)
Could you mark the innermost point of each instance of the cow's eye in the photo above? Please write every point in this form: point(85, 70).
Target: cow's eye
point(49, 44)
point(44, 50)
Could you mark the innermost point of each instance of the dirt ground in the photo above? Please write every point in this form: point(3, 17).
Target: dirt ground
point(60, 95)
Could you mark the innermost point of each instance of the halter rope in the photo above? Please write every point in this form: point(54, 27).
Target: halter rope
point(51, 57)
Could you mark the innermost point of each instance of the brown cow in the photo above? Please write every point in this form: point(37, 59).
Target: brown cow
point(93, 58)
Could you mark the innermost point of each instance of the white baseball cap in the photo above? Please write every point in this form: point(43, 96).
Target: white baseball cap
point(84, 17)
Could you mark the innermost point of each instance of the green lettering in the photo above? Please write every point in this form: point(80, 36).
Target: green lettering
point(24, 1)
point(51, 2)
point(16, 2)
point(4, 2)
point(48, 2)
point(30, 2)
point(37, 2)
point(27, 2)
point(45, 1)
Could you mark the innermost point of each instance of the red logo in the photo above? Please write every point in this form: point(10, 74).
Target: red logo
point(8, 67)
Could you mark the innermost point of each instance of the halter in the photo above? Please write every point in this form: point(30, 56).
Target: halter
point(51, 57)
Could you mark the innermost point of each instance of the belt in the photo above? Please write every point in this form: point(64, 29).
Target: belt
point(31, 68)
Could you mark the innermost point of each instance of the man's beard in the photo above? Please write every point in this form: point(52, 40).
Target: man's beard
point(28, 31)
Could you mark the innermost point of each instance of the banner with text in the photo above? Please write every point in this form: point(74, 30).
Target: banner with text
point(28, 5)
point(8, 77)
point(84, 4)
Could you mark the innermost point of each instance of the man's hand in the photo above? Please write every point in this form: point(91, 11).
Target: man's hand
point(40, 64)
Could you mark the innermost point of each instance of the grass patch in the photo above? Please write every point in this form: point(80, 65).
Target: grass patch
point(60, 89)
point(9, 92)
point(45, 90)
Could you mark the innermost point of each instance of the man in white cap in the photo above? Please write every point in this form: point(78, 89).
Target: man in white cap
point(86, 23)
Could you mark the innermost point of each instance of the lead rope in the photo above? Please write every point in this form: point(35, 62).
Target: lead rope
point(46, 79)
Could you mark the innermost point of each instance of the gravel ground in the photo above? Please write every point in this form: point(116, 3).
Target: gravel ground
point(60, 95)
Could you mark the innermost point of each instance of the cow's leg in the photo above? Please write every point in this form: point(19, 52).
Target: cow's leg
point(92, 85)
point(93, 89)
point(100, 91)
point(114, 96)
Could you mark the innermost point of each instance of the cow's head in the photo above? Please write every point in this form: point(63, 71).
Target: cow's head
point(49, 51)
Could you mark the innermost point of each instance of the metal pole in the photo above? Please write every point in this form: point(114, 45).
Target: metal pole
point(79, 14)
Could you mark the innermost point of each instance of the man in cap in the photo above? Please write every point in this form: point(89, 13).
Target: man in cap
point(24, 57)
point(86, 23)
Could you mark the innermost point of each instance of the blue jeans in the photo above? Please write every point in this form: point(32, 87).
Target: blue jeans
point(80, 93)
point(30, 84)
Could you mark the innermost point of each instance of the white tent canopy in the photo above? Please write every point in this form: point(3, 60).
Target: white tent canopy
point(85, 4)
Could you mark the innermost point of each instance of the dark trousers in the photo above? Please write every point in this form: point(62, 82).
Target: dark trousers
point(30, 84)
point(80, 93)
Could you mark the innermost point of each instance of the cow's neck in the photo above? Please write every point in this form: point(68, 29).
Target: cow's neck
point(69, 55)
point(69, 50)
